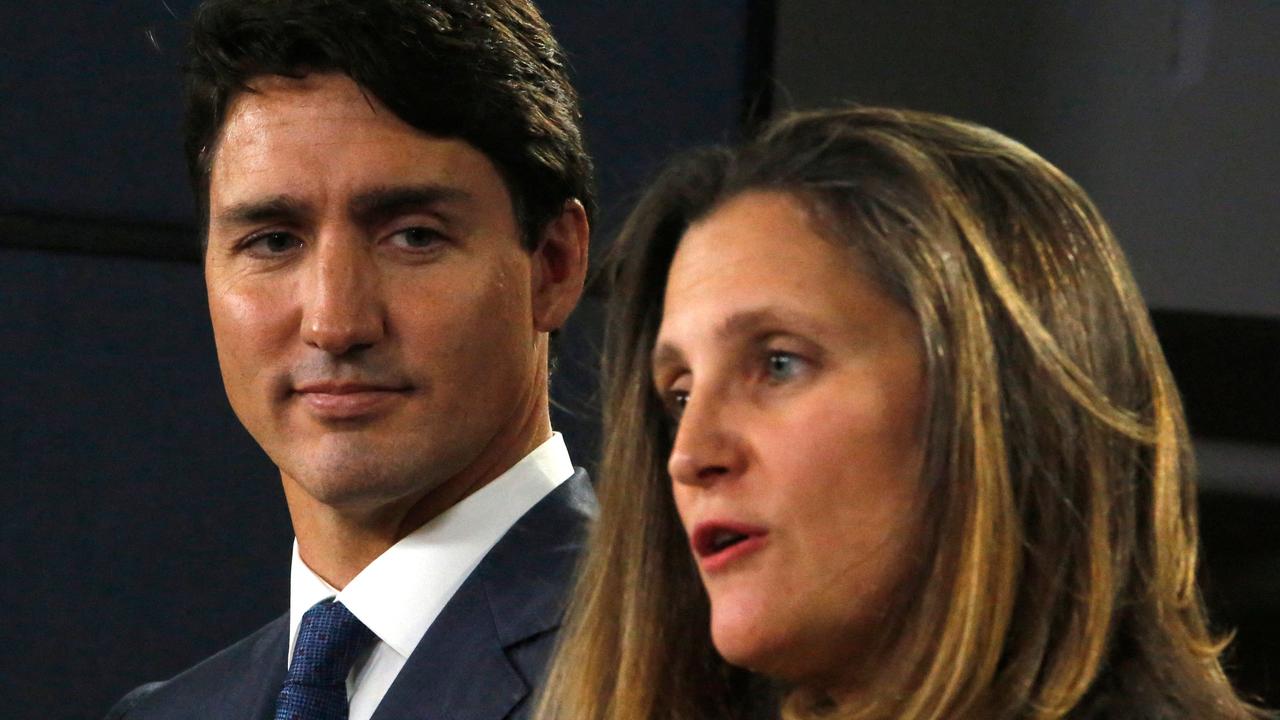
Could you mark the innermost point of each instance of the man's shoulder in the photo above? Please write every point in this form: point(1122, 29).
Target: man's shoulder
point(567, 508)
point(237, 677)
point(527, 573)
point(521, 584)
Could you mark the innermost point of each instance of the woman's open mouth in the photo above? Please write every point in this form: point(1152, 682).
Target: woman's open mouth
point(717, 543)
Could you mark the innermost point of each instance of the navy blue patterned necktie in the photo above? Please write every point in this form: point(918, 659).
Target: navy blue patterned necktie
point(329, 640)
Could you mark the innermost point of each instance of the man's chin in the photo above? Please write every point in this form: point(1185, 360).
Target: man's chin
point(357, 483)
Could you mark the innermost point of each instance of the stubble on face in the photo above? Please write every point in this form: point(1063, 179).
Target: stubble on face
point(425, 304)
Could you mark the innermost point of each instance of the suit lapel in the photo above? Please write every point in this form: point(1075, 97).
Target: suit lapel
point(260, 686)
point(458, 671)
point(461, 669)
point(242, 681)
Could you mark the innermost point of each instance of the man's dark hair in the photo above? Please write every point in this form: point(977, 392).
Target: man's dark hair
point(484, 71)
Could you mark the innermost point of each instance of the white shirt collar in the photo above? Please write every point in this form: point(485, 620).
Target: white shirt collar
point(403, 590)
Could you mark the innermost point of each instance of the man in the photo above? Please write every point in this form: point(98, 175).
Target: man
point(395, 198)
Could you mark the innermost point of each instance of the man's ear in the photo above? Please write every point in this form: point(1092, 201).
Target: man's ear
point(560, 266)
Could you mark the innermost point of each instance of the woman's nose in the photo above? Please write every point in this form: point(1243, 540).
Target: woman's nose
point(708, 444)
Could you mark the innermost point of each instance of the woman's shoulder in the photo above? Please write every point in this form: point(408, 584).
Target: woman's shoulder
point(1130, 691)
point(1127, 691)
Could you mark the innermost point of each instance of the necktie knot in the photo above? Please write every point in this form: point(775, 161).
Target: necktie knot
point(330, 639)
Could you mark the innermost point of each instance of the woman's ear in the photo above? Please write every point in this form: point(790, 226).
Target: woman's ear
point(559, 266)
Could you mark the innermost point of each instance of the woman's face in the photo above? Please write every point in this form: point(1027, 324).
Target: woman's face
point(799, 389)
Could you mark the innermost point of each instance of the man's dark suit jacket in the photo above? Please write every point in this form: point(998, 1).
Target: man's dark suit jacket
point(480, 660)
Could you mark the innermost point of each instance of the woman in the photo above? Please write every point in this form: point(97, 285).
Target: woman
point(889, 435)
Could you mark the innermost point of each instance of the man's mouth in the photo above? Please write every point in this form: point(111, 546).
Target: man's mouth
point(328, 387)
point(348, 401)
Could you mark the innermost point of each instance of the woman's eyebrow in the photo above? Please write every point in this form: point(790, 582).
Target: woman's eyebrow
point(665, 354)
point(750, 321)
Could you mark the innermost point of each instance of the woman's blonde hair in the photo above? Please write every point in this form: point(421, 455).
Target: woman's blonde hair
point(1059, 578)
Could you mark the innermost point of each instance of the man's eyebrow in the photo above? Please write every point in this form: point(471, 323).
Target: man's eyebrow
point(383, 203)
point(371, 206)
point(276, 208)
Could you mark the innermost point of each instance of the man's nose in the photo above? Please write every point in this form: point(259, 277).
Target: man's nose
point(343, 307)
point(709, 442)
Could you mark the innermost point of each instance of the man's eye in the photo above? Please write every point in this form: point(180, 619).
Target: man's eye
point(272, 243)
point(416, 238)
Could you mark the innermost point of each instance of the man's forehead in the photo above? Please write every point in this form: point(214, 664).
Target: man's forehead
point(287, 135)
point(272, 100)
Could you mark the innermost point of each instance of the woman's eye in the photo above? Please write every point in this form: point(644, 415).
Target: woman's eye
point(678, 400)
point(416, 238)
point(782, 366)
point(272, 243)
point(675, 401)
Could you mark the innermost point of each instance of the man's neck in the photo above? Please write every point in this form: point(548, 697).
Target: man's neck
point(338, 542)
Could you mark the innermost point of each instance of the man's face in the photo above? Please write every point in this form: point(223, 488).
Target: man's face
point(370, 295)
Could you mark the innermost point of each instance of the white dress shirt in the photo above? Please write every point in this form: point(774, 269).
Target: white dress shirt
point(401, 593)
